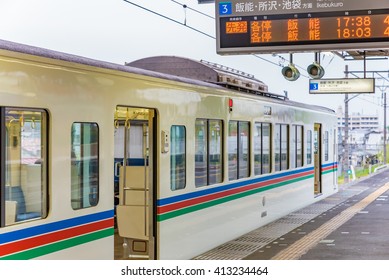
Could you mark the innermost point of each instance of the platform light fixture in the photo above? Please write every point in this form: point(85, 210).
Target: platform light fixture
point(315, 70)
point(290, 72)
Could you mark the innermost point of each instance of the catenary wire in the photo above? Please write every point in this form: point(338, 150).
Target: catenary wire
point(168, 18)
point(194, 10)
point(199, 31)
point(255, 55)
point(213, 37)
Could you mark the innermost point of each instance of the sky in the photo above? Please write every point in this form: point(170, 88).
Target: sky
point(118, 31)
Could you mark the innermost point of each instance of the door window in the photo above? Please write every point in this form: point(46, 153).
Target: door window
point(84, 165)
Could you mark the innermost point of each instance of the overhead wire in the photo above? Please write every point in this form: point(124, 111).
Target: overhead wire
point(255, 55)
point(213, 37)
point(194, 10)
point(197, 30)
point(358, 96)
point(168, 18)
point(282, 58)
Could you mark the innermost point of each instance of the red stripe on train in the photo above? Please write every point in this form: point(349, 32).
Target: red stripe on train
point(44, 239)
point(194, 201)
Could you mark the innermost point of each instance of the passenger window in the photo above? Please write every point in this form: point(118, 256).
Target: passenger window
point(326, 146)
point(296, 152)
point(309, 146)
point(208, 152)
point(177, 157)
point(201, 153)
point(266, 148)
point(262, 148)
point(238, 147)
point(84, 165)
point(215, 152)
point(232, 150)
point(25, 166)
point(281, 147)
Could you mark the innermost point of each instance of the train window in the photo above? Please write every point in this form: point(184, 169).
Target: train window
point(208, 152)
point(24, 134)
point(262, 148)
point(84, 165)
point(309, 146)
point(177, 157)
point(201, 153)
point(238, 148)
point(296, 152)
point(215, 152)
point(266, 148)
point(233, 150)
point(281, 141)
point(326, 146)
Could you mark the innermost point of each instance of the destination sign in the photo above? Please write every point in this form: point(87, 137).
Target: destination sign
point(304, 25)
point(328, 86)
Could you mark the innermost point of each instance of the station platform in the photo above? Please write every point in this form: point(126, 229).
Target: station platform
point(352, 224)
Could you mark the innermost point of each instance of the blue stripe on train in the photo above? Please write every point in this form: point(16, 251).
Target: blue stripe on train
point(182, 197)
point(55, 226)
point(329, 164)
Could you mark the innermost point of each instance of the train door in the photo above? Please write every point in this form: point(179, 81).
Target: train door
point(134, 190)
point(317, 157)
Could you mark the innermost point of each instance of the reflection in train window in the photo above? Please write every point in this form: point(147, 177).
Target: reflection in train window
point(309, 146)
point(208, 152)
point(296, 151)
point(281, 147)
point(238, 150)
point(84, 165)
point(177, 157)
point(201, 153)
point(215, 152)
point(326, 146)
point(25, 165)
point(262, 148)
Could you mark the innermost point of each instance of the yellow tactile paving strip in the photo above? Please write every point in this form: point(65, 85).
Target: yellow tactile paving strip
point(300, 247)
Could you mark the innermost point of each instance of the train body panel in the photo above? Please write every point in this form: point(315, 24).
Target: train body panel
point(175, 144)
point(229, 220)
point(83, 251)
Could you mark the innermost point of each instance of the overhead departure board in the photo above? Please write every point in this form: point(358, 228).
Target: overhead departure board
point(301, 25)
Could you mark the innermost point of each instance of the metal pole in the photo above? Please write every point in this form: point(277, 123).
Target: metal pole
point(384, 127)
point(346, 147)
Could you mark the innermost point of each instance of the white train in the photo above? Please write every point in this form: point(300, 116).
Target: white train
point(196, 163)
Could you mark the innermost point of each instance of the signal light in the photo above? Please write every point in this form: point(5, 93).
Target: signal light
point(290, 72)
point(315, 71)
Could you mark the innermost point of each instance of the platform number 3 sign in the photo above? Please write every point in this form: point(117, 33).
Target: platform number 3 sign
point(225, 8)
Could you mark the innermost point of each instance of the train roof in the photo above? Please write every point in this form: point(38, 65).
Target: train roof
point(184, 70)
point(203, 71)
point(47, 53)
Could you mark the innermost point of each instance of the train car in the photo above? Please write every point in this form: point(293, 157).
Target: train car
point(167, 164)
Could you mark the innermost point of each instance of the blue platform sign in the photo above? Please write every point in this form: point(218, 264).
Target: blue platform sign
point(313, 86)
point(225, 8)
